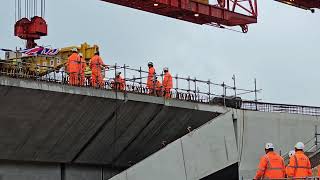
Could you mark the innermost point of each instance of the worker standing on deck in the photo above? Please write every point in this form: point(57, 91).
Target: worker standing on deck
point(271, 165)
point(118, 83)
point(151, 75)
point(73, 67)
point(158, 86)
point(82, 69)
point(167, 83)
point(299, 165)
point(96, 65)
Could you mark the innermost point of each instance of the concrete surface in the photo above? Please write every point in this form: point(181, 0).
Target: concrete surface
point(196, 155)
point(48, 122)
point(257, 128)
point(49, 171)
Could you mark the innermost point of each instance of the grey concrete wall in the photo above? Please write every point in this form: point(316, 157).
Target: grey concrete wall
point(257, 128)
point(198, 154)
point(27, 171)
point(49, 122)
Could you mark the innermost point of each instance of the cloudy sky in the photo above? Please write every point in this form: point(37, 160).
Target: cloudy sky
point(281, 51)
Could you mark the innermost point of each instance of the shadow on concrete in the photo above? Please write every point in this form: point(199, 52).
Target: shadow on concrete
point(230, 173)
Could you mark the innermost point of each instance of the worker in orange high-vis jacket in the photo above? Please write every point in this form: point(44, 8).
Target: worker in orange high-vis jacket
point(82, 67)
point(271, 165)
point(167, 83)
point(299, 165)
point(158, 86)
point(151, 75)
point(291, 153)
point(96, 65)
point(118, 83)
point(73, 67)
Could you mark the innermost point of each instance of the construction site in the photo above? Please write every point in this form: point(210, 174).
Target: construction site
point(68, 112)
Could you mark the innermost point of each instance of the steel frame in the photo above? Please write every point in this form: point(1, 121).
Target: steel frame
point(224, 13)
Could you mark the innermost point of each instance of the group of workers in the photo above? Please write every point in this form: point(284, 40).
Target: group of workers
point(81, 72)
point(155, 87)
point(272, 165)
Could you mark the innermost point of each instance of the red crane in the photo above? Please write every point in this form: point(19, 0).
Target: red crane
point(303, 4)
point(224, 13)
point(31, 25)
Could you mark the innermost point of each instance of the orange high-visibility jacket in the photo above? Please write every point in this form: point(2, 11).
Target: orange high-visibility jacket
point(167, 81)
point(299, 166)
point(83, 65)
point(120, 83)
point(271, 166)
point(151, 75)
point(73, 63)
point(158, 85)
point(95, 64)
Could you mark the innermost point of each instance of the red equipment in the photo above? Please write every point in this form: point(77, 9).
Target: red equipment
point(31, 30)
point(226, 12)
point(30, 26)
point(303, 4)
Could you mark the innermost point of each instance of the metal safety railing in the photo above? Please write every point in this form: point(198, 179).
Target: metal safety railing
point(282, 108)
point(184, 88)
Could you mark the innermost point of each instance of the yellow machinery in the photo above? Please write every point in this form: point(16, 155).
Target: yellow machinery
point(41, 64)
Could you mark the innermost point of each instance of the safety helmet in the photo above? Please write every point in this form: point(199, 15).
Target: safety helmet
point(292, 153)
point(299, 146)
point(150, 63)
point(269, 146)
point(80, 54)
point(74, 50)
point(165, 69)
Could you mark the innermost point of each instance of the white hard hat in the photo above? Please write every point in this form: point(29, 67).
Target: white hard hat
point(80, 54)
point(292, 153)
point(74, 50)
point(269, 146)
point(299, 146)
point(165, 69)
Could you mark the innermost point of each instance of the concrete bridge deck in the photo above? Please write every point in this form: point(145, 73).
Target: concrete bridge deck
point(49, 122)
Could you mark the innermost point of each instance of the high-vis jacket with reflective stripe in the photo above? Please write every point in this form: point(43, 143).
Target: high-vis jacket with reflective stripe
point(299, 166)
point(271, 166)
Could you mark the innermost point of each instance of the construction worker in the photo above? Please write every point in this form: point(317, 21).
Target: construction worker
point(82, 69)
point(73, 67)
point(151, 75)
point(291, 153)
point(299, 165)
point(96, 64)
point(167, 83)
point(119, 82)
point(158, 86)
point(271, 165)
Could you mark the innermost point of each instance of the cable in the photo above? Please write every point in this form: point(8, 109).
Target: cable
point(15, 10)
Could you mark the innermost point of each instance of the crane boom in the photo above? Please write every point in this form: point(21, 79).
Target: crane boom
point(226, 12)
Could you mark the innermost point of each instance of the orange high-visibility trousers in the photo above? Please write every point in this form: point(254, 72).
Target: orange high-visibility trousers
point(74, 79)
point(96, 79)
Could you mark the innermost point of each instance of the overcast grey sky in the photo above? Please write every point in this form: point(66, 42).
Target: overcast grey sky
point(281, 51)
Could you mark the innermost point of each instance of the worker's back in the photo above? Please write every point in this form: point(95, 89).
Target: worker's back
point(271, 167)
point(299, 165)
point(73, 63)
point(167, 81)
